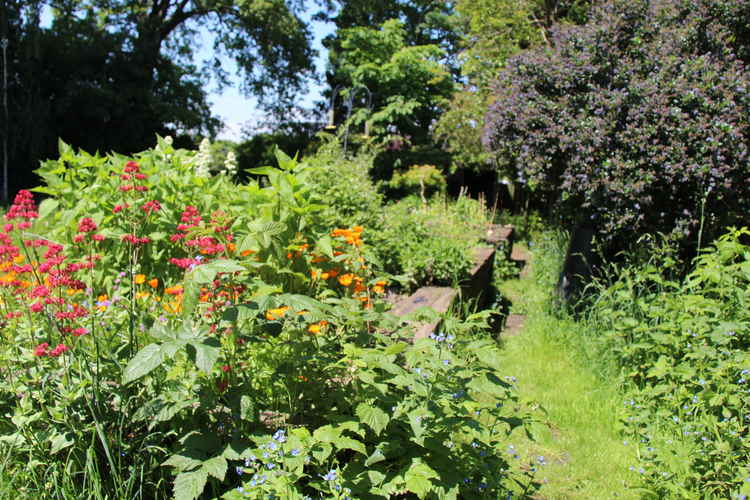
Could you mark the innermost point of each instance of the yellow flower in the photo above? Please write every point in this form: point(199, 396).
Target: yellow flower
point(274, 314)
point(346, 279)
point(316, 328)
point(140, 279)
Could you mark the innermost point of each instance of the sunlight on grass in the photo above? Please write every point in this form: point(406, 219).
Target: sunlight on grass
point(578, 432)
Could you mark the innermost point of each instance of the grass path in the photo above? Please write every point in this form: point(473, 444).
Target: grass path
point(578, 432)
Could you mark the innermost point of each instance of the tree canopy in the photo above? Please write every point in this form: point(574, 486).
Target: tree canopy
point(109, 74)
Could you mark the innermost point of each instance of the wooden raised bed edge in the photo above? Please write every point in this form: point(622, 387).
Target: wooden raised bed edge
point(476, 286)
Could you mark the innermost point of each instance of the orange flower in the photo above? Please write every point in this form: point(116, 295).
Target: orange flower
point(379, 287)
point(18, 259)
point(173, 290)
point(318, 259)
point(153, 283)
point(142, 295)
point(316, 328)
point(277, 313)
point(346, 279)
point(140, 279)
point(231, 247)
point(333, 273)
point(314, 274)
point(245, 253)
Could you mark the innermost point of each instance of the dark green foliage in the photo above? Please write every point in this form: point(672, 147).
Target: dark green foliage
point(108, 75)
point(636, 121)
point(682, 348)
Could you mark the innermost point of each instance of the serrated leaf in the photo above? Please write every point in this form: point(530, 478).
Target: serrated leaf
point(182, 463)
point(373, 417)
point(207, 272)
point(146, 360)
point(347, 443)
point(190, 485)
point(47, 207)
point(247, 409)
point(206, 353)
point(216, 467)
point(418, 478)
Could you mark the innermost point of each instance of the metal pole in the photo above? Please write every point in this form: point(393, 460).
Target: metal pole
point(6, 128)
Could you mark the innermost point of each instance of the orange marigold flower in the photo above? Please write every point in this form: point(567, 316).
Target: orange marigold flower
point(153, 283)
point(245, 253)
point(142, 295)
point(314, 273)
point(316, 328)
point(231, 247)
point(346, 279)
point(277, 313)
point(333, 273)
point(318, 259)
point(173, 290)
point(140, 279)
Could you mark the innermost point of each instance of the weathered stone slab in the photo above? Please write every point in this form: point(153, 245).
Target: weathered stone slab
point(500, 237)
point(437, 298)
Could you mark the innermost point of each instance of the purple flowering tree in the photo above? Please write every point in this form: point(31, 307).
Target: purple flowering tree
point(637, 121)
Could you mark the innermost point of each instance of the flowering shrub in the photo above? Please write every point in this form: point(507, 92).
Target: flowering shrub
point(158, 322)
point(635, 122)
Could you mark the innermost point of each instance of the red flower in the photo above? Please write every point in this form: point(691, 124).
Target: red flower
point(61, 348)
point(132, 167)
point(80, 331)
point(41, 349)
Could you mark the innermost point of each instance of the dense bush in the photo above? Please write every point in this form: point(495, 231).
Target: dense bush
point(682, 348)
point(417, 180)
point(167, 333)
point(636, 121)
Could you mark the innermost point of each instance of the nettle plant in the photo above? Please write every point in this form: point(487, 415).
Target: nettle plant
point(157, 328)
point(683, 349)
point(635, 122)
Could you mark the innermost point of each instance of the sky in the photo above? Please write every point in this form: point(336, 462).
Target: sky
point(236, 110)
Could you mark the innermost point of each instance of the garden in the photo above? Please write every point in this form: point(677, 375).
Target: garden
point(513, 264)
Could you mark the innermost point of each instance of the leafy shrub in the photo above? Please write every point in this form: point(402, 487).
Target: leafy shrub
point(418, 180)
point(144, 365)
point(683, 351)
point(343, 187)
point(635, 121)
point(432, 244)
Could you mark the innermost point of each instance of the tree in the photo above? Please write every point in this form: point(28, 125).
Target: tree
point(409, 84)
point(635, 122)
point(491, 31)
point(110, 74)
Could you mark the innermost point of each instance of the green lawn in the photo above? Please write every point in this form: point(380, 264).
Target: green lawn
point(578, 431)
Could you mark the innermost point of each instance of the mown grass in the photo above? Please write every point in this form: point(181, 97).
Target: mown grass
point(578, 433)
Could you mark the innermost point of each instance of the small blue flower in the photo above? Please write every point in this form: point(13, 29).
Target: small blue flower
point(279, 436)
point(330, 476)
point(295, 452)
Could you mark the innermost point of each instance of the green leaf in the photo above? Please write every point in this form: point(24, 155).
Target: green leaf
point(182, 463)
point(377, 456)
point(189, 485)
point(247, 409)
point(373, 417)
point(418, 478)
point(216, 467)
point(146, 360)
point(47, 207)
point(206, 353)
point(347, 443)
point(60, 442)
point(207, 272)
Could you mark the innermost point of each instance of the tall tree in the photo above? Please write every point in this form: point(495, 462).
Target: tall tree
point(109, 74)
